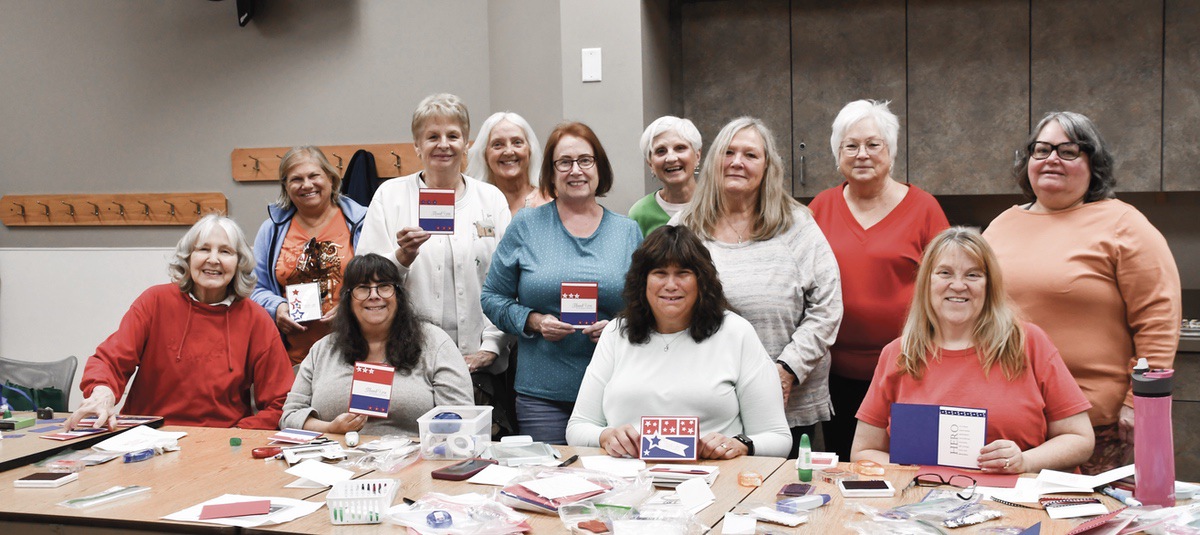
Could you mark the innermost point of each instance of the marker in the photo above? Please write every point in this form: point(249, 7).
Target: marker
point(569, 460)
point(1122, 496)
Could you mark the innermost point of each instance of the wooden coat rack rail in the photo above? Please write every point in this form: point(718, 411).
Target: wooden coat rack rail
point(109, 209)
point(262, 165)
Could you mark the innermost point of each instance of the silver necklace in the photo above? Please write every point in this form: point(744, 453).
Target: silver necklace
point(735, 231)
point(667, 345)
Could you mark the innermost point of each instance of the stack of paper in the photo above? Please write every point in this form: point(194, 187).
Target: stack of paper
point(671, 475)
point(295, 436)
point(550, 493)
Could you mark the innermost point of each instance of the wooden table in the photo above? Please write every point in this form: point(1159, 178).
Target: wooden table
point(205, 467)
point(29, 448)
point(415, 482)
point(833, 517)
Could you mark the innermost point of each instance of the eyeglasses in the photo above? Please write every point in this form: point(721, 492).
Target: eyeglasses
point(962, 481)
point(564, 165)
point(1040, 150)
point(873, 146)
point(363, 292)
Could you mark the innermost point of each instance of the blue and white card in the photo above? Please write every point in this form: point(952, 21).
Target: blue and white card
point(670, 438)
point(937, 435)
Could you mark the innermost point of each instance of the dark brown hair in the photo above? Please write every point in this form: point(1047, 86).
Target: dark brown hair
point(404, 343)
point(673, 246)
point(581, 131)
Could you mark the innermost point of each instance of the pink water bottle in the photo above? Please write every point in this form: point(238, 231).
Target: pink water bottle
point(1153, 444)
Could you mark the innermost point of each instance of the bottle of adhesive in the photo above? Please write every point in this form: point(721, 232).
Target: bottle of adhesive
point(804, 460)
point(1153, 446)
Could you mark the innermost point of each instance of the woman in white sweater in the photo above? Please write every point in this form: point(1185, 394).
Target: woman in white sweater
point(677, 350)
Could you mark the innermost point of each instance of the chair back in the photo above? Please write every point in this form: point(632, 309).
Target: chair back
point(34, 378)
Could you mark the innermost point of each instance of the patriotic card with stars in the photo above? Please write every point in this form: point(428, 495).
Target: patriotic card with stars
point(435, 214)
point(579, 303)
point(304, 301)
point(670, 438)
point(371, 389)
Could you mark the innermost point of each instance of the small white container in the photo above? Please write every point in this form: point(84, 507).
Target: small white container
point(457, 438)
point(360, 501)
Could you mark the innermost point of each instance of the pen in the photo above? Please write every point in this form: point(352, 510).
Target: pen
point(569, 460)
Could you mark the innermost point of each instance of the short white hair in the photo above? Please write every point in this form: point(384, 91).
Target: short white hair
point(477, 166)
point(670, 123)
point(886, 121)
point(180, 267)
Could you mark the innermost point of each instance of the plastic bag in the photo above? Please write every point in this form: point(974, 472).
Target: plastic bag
point(464, 514)
point(605, 487)
point(388, 455)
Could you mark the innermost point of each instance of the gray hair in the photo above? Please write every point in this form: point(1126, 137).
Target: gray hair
point(669, 123)
point(440, 105)
point(180, 269)
point(477, 166)
point(886, 121)
point(1079, 129)
point(298, 155)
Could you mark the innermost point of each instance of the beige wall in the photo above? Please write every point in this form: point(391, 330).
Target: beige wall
point(141, 95)
point(525, 61)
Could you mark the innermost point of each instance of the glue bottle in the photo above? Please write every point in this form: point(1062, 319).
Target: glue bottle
point(804, 460)
point(1153, 445)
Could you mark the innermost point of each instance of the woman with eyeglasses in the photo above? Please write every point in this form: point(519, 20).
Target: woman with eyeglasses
point(569, 240)
point(1090, 270)
point(877, 228)
point(964, 346)
point(376, 325)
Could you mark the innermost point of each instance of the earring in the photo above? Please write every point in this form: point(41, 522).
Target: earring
point(697, 171)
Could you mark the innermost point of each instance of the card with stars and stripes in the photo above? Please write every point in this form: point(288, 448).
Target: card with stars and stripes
point(371, 389)
point(670, 438)
point(579, 303)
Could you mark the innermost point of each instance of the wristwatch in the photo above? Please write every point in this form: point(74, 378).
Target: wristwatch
point(741, 437)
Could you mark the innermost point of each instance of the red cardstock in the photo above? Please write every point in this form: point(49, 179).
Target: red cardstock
point(229, 510)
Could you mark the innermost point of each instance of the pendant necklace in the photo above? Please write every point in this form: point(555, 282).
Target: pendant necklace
point(667, 345)
point(735, 231)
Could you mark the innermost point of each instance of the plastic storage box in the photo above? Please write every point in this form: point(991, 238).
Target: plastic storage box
point(455, 431)
point(360, 501)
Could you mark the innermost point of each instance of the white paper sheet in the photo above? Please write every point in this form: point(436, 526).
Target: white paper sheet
point(302, 483)
point(736, 524)
point(325, 474)
point(495, 474)
point(139, 438)
point(559, 486)
point(695, 495)
point(289, 509)
point(613, 465)
point(1051, 481)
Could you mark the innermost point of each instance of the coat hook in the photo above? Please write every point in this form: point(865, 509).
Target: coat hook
point(145, 208)
point(70, 208)
point(339, 165)
point(121, 211)
point(197, 206)
point(172, 210)
point(22, 212)
point(255, 162)
point(46, 207)
point(95, 208)
point(397, 164)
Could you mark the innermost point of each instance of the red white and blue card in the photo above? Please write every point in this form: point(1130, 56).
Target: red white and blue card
point(371, 389)
point(937, 435)
point(304, 301)
point(579, 303)
point(670, 438)
point(435, 212)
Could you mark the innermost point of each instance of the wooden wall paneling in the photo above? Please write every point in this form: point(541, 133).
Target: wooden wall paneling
point(1103, 58)
point(968, 94)
point(735, 62)
point(109, 209)
point(262, 164)
point(1181, 96)
point(841, 52)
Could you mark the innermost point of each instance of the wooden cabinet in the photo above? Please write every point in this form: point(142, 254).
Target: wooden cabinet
point(841, 52)
point(968, 94)
point(1181, 96)
point(735, 62)
point(1185, 412)
point(1103, 58)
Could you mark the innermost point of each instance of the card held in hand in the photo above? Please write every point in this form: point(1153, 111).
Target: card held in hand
point(579, 303)
point(371, 389)
point(670, 438)
point(304, 301)
point(435, 214)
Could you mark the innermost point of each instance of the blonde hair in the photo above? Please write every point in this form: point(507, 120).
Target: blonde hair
point(298, 155)
point(775, 204)
point(442, 105)
point(998, 335)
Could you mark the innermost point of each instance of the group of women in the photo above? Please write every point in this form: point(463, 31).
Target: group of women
point(720, 296)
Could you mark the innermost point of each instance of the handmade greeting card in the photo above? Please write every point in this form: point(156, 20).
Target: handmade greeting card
point(670, 438)
point(436, 210)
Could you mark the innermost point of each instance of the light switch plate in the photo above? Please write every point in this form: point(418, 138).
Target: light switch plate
point(591, 64)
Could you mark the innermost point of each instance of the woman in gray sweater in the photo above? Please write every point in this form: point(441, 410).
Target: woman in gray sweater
point(376, 326)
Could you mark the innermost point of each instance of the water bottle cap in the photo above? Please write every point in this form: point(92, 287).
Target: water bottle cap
point(1153, 383)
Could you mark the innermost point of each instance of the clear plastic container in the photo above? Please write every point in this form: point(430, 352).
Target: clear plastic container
point(360, 501)
point(446, 437)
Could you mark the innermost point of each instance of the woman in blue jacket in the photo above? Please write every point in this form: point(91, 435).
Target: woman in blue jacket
point(309, 236)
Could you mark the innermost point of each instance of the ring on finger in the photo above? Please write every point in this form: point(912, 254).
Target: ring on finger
point(1006, 461)
point(722, 445)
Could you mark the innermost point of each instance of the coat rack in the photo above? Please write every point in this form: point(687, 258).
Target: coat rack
point(262, 165)
point(112, 209)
